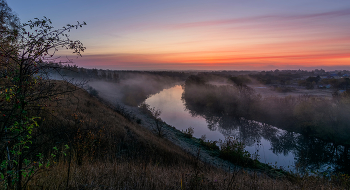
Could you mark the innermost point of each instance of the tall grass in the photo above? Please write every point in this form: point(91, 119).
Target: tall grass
point(145, 175)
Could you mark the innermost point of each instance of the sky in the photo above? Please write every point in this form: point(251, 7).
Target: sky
point(202, 34)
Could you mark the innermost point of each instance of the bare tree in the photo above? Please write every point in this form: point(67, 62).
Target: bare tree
point(155, 113)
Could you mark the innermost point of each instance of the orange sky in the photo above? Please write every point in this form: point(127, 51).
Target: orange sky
point(208, 35)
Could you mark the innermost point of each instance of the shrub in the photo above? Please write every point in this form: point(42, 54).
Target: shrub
point(188, 132)
point(92, 91)
point(211, 145)
point(233, 151)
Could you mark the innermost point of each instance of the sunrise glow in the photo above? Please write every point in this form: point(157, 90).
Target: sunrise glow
point(207, 35)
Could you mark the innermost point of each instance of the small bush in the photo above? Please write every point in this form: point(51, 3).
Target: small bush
point(283, 89)
point(233, 151)
point(211, 145)
point(144, 107)
point(188, 132)
point(92, 91)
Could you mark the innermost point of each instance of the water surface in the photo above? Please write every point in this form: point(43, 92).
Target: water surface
point(274, 146)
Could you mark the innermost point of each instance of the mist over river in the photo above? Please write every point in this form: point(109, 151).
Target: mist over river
point(275, 146)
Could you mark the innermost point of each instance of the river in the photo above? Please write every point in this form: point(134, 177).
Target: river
point(273, 146)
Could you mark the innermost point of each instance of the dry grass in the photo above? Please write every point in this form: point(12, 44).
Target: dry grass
point(84, 119)
point(143, 175)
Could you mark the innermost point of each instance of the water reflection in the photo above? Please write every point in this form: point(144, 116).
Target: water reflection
point(288, 149)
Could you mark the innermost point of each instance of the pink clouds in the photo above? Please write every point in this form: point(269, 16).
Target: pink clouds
point(255, 19)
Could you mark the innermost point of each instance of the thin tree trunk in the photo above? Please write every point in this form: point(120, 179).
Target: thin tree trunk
point(19, 169)
point(68, 168)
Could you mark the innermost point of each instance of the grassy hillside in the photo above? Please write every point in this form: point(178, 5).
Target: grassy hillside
point(107, 151)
